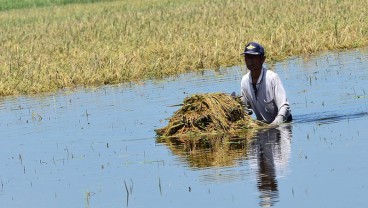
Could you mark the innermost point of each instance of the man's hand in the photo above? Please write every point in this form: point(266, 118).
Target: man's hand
point(278, 120)
point(248, 111)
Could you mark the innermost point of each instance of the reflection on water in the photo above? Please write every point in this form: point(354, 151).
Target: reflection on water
point(210, 151)
point(269, 152)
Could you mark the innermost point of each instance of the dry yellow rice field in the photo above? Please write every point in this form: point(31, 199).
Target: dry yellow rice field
point(45, 49)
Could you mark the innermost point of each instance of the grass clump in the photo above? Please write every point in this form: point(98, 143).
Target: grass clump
point(212, 113)
point(44, 49)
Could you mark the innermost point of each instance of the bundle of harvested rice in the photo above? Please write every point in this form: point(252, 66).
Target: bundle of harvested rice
point(209, 114)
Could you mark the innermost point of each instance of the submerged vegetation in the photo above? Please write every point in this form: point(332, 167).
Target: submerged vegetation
point(206, 114)
point(44, 49)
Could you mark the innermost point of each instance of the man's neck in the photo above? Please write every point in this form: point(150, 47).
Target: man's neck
point(255, 75)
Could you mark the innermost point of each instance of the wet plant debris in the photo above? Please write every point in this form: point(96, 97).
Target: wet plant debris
point(211, 113)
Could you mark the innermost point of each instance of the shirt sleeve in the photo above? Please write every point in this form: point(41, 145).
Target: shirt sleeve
point(243, 93)
point(281, 99)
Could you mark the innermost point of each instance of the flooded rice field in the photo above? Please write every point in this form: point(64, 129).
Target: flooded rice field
point(97, 148)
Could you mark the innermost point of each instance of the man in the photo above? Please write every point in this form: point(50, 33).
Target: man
point(262, 90)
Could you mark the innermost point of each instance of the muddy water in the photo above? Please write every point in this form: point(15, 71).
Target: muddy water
point(97, 148)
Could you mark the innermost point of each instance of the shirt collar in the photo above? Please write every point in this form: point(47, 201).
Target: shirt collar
point(259, 78)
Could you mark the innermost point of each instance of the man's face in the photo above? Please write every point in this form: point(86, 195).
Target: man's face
point(254, 62)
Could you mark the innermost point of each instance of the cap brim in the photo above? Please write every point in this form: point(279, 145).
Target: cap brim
point(251, 53)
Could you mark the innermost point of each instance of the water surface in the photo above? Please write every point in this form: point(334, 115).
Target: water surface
point(97, 147)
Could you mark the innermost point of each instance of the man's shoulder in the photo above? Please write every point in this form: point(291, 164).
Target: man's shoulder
point(246, 77)
point(245, 81)
point(271, 75)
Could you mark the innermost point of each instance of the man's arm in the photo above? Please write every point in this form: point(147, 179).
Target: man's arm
point(244, 99)
point(281, 102)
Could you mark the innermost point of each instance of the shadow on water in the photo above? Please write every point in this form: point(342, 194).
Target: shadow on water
point(267, 150)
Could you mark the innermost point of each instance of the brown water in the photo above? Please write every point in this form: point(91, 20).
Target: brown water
point(97, 148)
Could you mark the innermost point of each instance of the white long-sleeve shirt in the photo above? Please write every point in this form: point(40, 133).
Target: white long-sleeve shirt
point(269, 100)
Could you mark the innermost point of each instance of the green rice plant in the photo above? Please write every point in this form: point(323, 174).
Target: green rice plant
point(45, 49)
point(20, 4)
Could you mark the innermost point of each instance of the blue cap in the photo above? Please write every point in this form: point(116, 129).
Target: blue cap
point(253, 48)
